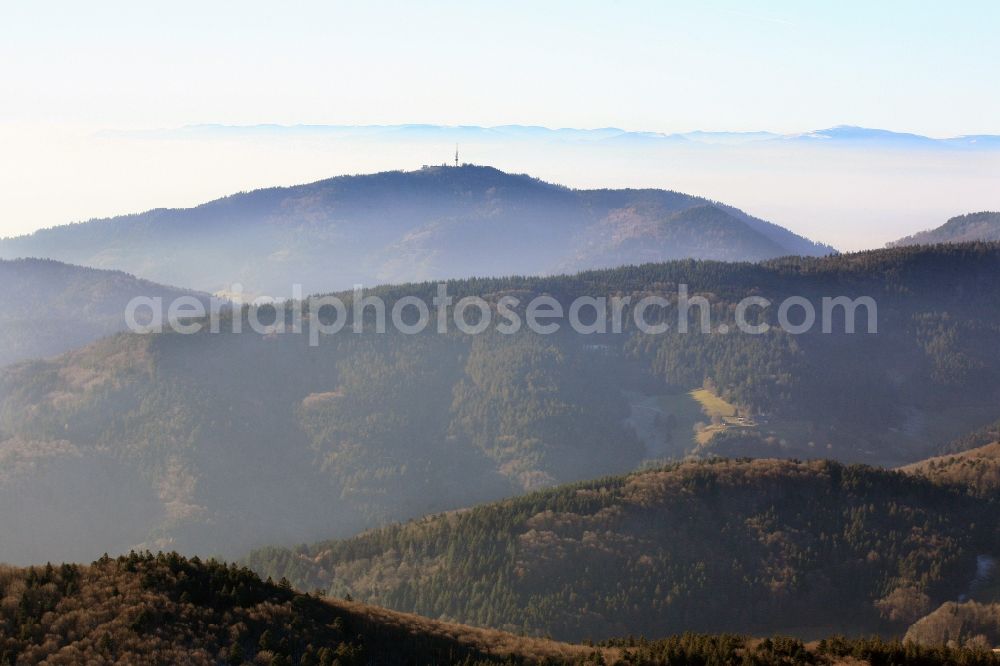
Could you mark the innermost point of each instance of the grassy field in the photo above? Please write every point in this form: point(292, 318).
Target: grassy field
point(678, 424)
point(712, 405)
point(722, 416)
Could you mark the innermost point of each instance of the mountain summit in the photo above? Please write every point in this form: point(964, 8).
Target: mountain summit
point(437, 222)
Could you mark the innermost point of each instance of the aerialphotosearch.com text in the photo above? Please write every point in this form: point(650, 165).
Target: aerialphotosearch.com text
point(543, 314)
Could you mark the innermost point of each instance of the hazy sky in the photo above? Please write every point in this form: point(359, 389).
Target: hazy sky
point(70, 69)
point(927, 67)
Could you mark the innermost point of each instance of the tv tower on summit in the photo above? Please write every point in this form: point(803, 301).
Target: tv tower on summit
point(456, 154)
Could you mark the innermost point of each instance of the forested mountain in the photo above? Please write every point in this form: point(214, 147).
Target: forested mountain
point(217, 443)
point(165, 609)
point(988, 434)
point(967, 623)
point(978, 469)
point(751, 546)
point(47, 308)
point(439, 222)
point(983, 226)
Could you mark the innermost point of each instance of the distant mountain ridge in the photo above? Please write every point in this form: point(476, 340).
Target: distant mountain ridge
point(972, 227)
point(833, 135)
point(47, 307)
point(434, 223)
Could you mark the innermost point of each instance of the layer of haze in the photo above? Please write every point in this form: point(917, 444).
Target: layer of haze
point(72, 71)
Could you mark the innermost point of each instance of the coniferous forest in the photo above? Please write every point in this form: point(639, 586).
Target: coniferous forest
point(499, 334)
point(190, 433)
